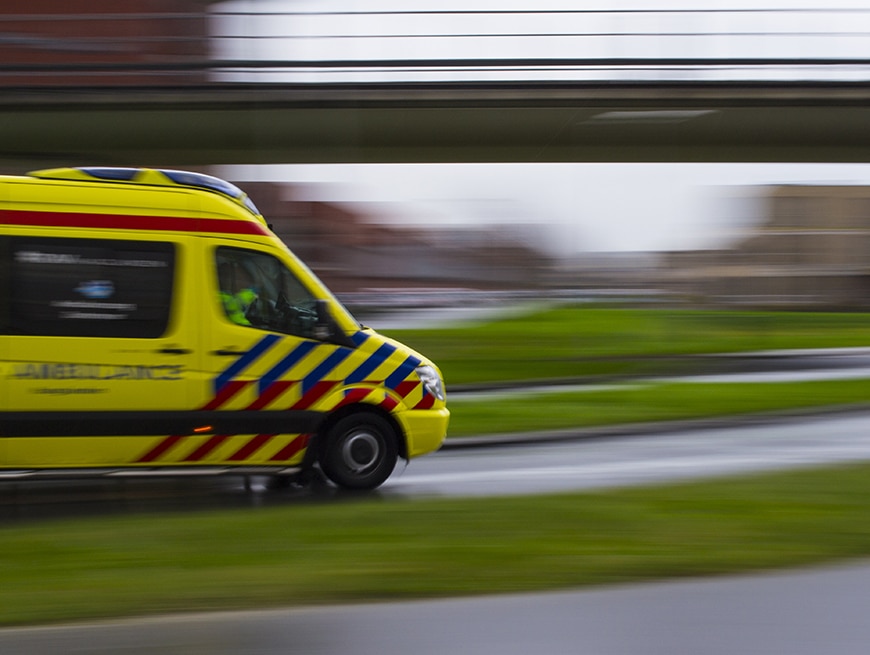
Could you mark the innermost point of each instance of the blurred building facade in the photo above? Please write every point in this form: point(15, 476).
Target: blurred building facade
point(352, 251)
point(812, 252)
point(120, 43)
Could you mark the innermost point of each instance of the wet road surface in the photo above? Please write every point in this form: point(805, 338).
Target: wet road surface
point(602, 459)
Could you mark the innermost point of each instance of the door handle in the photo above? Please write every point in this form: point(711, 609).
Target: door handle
point(225, 352)
point(174, 351)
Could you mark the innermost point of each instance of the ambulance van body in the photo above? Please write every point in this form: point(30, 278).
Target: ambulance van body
point(151, 322)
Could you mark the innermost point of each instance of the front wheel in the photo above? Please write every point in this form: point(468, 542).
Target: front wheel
point(360, 451)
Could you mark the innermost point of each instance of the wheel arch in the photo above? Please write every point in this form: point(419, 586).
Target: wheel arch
point(361, 408)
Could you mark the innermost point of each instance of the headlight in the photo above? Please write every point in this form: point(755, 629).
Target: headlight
point(431, 381)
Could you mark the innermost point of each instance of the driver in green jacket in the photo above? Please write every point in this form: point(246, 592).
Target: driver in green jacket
point(237, 292)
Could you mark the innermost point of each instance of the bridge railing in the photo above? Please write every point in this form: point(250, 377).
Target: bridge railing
point(233, 43)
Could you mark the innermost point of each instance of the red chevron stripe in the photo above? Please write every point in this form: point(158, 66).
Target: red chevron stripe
point(406, 387)
point(426, 403)
point(206, 448)
point(251, 447)
point(292, 448)
point(389, 403)
point(160, 448)
point(229, 390)
point(275, 389)
point(317, 392)
point(354, 396)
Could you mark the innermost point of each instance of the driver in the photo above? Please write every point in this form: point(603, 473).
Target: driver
point(237, 292)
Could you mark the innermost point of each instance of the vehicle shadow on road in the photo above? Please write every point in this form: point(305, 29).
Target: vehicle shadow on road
point(45, 500)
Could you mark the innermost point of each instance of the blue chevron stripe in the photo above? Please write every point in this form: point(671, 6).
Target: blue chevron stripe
point(323, 368)
point(404, 370)
point(296, 355)
point(359, 338)
point(376, 359)
point(244, 361)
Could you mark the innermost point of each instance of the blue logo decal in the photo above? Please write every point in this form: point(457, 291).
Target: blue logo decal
point(96, 289)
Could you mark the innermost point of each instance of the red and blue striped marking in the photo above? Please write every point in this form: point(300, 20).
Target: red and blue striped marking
point(313, 387)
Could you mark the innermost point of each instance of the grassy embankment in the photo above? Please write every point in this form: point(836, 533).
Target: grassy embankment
point(304, 553)
point(584, 342)
point(591, 345)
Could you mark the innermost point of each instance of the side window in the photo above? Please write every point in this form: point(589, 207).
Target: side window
point(258, 291)
point(89, 287)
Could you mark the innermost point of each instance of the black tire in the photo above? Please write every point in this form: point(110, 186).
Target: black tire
point(360, 451)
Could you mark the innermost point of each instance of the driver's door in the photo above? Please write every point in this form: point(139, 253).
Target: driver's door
point(261, 358)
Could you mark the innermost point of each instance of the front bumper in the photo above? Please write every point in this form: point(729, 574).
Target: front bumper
point(425, 429)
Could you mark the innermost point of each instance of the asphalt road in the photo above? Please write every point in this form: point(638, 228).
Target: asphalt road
point(636, 456)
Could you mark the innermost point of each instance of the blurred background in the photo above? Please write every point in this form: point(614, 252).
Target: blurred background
point(441, 161)
point(669, 214)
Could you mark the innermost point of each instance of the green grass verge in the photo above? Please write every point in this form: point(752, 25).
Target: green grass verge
point(370, 549)
point(641, 403)
point(584, 341)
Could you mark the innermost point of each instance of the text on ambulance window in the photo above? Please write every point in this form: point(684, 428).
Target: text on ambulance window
point(89, 287)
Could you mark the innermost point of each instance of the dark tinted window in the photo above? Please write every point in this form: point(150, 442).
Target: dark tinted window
point(258, 291)
point(88, 287)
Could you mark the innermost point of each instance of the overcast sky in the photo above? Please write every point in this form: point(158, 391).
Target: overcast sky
point(600, 207)
point(581, 207)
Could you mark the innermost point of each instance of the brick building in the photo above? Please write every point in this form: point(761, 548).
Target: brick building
point(86, 43)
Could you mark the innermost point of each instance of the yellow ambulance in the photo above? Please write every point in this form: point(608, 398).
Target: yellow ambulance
point(151, 322)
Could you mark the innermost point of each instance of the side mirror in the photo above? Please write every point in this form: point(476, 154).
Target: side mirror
point(326, 329)
point(323, 328)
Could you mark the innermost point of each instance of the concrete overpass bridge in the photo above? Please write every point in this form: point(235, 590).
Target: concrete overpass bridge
point(438, 122)
point(212, 83)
